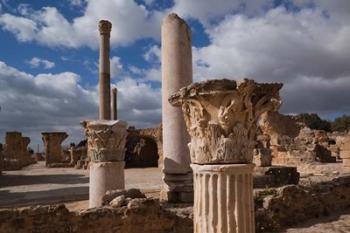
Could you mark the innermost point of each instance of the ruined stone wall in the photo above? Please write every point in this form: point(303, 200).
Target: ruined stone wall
point(294, 144)
point(293, 204)
point(13, 145)
point(144, 147)
point(140, 215)
point(15, 151)
point(275, 208)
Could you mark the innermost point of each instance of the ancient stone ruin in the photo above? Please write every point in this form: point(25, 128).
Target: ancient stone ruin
point(220, 116)
point(15, 151)
point(176, 73)
point(53, 149)
point(231, 163)
point(106, 142)
point(144, 147)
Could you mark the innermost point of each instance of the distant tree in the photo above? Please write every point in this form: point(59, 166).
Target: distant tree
point(341, 123)
point(313, 121)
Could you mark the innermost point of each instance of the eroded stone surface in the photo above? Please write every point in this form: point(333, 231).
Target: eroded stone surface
point(104, 85)
point(223, 198)
point(106, 140)
point(221, 117)
point(176, 73)
point(52, 144)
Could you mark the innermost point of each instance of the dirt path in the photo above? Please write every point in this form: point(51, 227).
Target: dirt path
point(37, 184)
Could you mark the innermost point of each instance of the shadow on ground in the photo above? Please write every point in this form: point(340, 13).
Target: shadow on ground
point(17, 180)
point(18, 199)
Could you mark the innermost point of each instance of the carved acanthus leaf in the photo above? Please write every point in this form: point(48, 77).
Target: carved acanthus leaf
point(221, 117)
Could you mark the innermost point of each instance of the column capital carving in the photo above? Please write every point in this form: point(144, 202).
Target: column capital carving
point(58, 137)
point(104, 26)
point(221, 117)
point(106, 140)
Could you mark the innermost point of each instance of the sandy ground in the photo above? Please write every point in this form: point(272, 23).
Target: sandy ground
point(332, 224)
point(37, 184)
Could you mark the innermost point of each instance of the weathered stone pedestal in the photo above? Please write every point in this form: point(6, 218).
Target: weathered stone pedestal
point(52, 144)
point(223, 198)
point(176, 73)
point(106, 148)
point(221, 117)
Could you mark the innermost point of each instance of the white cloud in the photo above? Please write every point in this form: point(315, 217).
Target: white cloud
point(207, 10)
point(49, 27)
point(116, 66)
point(24, 29)
point(77, 3)
point(306, 50)
point(153, 54)
point(138, 102)
point(57, 102)
point(36, 62)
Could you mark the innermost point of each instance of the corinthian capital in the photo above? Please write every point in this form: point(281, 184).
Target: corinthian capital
point(106, 140)
point(104, 27)
point(221, 117)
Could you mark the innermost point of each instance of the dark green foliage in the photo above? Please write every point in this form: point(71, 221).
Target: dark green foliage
point(313, 121)
point(341, 123)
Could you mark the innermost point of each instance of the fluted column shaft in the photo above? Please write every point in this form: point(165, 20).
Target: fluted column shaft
point(104, 71)
point(223, 198)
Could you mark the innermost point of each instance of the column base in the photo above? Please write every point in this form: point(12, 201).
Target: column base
point(223, 198)
point(176, 197)
point(104, 176)
point(178, 188)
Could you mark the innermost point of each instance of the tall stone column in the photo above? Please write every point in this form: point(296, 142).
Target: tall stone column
point(52, 144)
point(176, 73)
point(104, 71)
point(106, 148)
point(221, 117)
point(114, 104)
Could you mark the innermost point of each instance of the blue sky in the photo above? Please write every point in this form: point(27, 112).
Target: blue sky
point(49, 55)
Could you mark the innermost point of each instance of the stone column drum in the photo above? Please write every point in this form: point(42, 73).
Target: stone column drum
point(52, 144)
point(114, 104)
point(176, 73)
point(221, 117)
point(106, 148)
point(104, 71)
